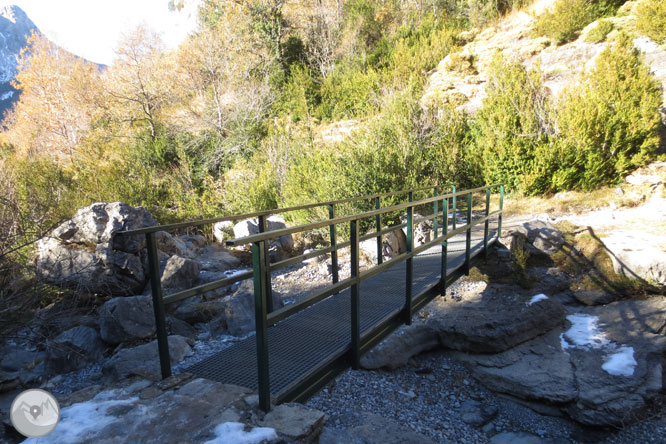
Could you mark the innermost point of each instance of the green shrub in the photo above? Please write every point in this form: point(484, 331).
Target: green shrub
point(568, 17)
point(513, 128)
point(610, 123)
point(651, 19)
point(599, 33)
point(349, 92)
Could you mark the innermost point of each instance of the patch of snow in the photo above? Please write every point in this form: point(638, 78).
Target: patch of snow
point(233, 432)
point(78, 420)
point(563, 342)
point(537, 298)
point(231, 273)
point(7, 95)
point(620, 363)
point(585, 332)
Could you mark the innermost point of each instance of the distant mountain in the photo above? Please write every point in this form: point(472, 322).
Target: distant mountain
point(15, 28)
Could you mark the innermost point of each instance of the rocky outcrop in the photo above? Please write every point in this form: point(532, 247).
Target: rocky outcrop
point(127, 318)
point(202, 411)
point(394, 243)
point(399, 347)
point(82, 253)
point(238, 317)
point(143, 360)
point(542, 237)
point(637, 255)
point(179, 274)
point(74, 349)
point(498, 318)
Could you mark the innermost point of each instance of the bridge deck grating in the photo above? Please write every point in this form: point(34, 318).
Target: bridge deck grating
point(301, 343)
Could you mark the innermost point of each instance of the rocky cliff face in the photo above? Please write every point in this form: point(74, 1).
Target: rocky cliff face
point(461, 77)
point(15, 28)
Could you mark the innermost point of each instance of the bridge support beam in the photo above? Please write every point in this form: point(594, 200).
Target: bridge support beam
point(158, 305)
point(334, 253)
point(468, 237)
point(486, 225)
point(355, 297)
point(261, 324)
point(267, 267)
point(445, 248)
point(410, 263)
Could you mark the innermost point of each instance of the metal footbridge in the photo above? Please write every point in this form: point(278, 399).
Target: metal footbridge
point(299, 348)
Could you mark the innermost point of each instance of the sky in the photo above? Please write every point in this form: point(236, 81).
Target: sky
point(93, 28)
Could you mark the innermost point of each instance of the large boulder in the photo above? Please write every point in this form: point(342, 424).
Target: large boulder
point(179, 274)
point(602, 368)
point(394, 243)
point(295, 421)
point(542, 236)
point(396, 350)
point(127, 318)
point(281, 247)
point(84, 254)
point(144, 360)
point(494, 320)
point(238, 317)
point(74, 349)
point(637, 255)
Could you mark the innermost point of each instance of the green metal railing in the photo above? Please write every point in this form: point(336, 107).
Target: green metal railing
point(265, 316)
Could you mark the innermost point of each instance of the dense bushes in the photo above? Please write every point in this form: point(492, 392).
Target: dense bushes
point(609, 124)
point(568, 17)
point(651, 19)
point(606, 125)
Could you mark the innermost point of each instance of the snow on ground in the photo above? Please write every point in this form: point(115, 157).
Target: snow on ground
point(537, 298)
point(233, 432)
point(78, 420)
point(584, 332)
point(621, 363)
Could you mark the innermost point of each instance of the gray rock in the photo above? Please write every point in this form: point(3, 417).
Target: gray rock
point(180, 273)
point(283, 246)
point(193, 310)
point(214, 258)
point(549, 280)
point(535, 370)
point(83, 253)
point(493, 321)
point(179, 327)
point(394, 243)
point(143, 360)
point(396, 350)
point(127, 318)
point(239, 309)
point(74, 349)
point(477, 414)
point(636, 255)
point(375, 429)
point(295, 421)
point(594, 297)
point(171, 245)
point(193, 242)
point(542, 235)
point(16, 359)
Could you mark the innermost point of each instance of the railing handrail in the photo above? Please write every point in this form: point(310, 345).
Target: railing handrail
point(342, 219)
point(196, 223)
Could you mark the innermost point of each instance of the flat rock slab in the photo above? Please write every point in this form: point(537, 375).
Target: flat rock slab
point(395, 351)
point(494, 320)
point(374, 429)
point(195, 411)
point(295, 421)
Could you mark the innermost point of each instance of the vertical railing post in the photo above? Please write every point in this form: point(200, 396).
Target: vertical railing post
point(454, 208)
point(267, 267)
point(501, 207)
point(261, 325)
point(468, 238)
point(355, 298)
point(445, 247)
point(378, 223)
point(158, 305)
point(435, 226)
point(410, 264)
point(334, 253)
point(487, 224)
